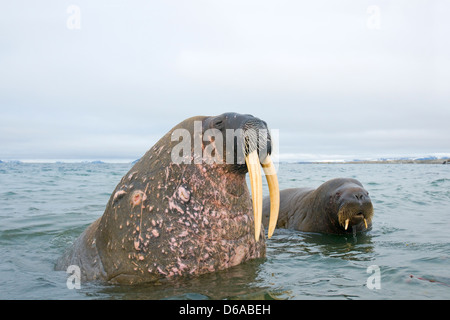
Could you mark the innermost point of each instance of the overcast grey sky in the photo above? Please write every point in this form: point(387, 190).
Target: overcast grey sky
point(339, 79)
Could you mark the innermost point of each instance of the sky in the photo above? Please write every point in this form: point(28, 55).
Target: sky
point(104, 80)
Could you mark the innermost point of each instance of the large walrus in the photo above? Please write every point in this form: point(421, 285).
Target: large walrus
point(338, 206)
point(184, 208)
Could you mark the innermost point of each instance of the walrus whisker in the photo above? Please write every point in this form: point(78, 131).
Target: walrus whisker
point(255, 136)
point(345, 215)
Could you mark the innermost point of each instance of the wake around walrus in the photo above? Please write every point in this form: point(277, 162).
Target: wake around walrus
point(338, 206)
point(184, 208)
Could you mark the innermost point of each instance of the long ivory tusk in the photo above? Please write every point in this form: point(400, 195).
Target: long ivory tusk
point(274, 191)
point(254, 170)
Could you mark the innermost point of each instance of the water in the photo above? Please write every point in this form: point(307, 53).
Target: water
point(44, 208)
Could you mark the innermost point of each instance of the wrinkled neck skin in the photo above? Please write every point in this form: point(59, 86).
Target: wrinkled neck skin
point(166, 219)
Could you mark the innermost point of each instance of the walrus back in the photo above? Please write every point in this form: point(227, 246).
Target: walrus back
point(287, 210)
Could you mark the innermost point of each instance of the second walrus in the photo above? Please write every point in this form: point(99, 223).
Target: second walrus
point(338, 206)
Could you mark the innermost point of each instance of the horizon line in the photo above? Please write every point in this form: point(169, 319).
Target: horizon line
point(283, 158)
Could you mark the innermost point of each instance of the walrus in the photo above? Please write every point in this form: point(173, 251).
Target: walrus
point(338, 206)
point(184, 208)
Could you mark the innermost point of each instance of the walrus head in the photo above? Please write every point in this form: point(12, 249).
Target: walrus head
point(184, 207)
point(252, 141)
point(349, 205)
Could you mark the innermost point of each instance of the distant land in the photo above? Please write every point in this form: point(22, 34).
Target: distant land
point(393, 160)
point(403, 160)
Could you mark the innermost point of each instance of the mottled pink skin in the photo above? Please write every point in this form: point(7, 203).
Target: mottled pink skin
point(168, 220)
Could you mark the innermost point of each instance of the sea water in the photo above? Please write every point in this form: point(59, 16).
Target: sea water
point(44, 207)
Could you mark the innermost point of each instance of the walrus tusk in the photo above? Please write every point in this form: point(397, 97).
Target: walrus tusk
point(346, 223)
point(274, 191)
point(365, 222)
point(254, 171)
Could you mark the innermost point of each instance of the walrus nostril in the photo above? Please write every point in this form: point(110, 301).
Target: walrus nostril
point(359, 196)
